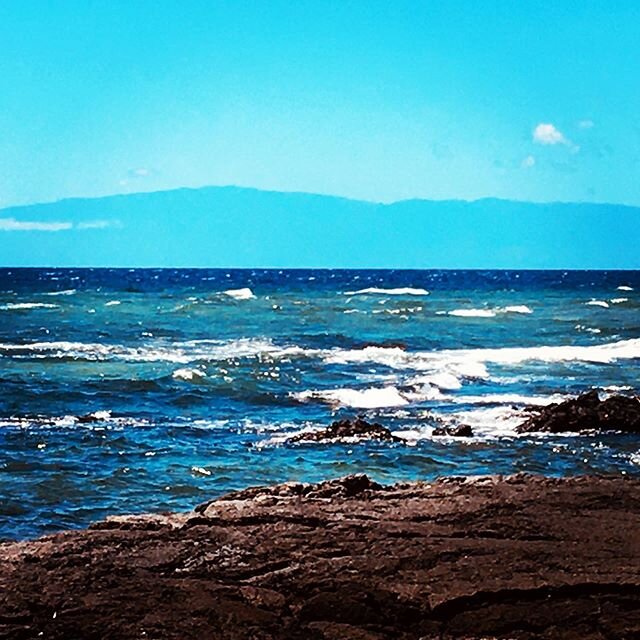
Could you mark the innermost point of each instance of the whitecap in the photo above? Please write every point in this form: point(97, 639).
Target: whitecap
point(112, 303)
point(598, 303)
point(518, 308)
point(200, 471)
point(442, 380)
point(581, 327)
point(177, 352)
point(19, 306)
point(188, 374)
point(373, 398)
point(240, 294)
point(492, 422)
point(618, 300)
point(615, 388)
point(510, 398)
point(101, 415)
point(471, 362)
point(472, 313)
point(401, 291)
point(624, 287)
point(488, 313)
point(66, 292)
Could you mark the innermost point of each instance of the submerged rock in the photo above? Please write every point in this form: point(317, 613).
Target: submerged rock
point(356, 428)
point(586, 413)
point(458, 431)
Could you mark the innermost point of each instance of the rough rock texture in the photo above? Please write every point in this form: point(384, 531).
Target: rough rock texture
point(587, 412)
point(520, 557)
point(460, 431)
point(356, 428)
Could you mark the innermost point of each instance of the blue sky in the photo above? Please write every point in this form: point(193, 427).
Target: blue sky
point(374, 100)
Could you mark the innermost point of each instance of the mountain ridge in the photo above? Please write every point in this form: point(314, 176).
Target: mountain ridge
point(234, 226)
point(238, 188)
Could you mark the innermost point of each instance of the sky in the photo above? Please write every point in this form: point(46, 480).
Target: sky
point(382, 101)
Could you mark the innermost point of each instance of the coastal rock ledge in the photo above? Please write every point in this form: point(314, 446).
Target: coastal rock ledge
point(517, 557)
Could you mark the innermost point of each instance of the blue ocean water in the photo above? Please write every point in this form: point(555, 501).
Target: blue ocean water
point(146, 390)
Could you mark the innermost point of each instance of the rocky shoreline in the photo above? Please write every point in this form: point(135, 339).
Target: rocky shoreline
point(518, 557)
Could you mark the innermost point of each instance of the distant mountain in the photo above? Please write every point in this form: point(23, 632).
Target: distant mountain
point(237, 227)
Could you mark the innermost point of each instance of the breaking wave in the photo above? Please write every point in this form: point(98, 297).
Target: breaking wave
point(488, 313)
point(400, 291)
point(22, 306)
point(240, 294)
point(66, 292)
point(468, 361)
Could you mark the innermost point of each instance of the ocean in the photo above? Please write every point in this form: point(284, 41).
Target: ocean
point(134, 390)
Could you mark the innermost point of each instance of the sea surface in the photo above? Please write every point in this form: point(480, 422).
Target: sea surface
point(126, 391)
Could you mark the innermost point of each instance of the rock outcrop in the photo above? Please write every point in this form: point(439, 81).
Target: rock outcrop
point(587, 413)
point(355, 428)
point(458, 431)
point(520, 557)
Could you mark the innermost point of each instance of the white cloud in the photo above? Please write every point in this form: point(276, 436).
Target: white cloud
point(546, 133)
point(586, 124)
point(528, 162)
point(96, 224)
point(11, 224)
point(140, 172)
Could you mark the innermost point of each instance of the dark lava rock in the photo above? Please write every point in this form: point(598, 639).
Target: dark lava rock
point(356, 428)
point(88, 418)
point(459, 431)
point(519, 558)
point(587, 413)
point(386, 344)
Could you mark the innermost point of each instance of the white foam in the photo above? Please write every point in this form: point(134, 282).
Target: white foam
point(494, 422)
point(582, 327)
point(518, 308)
point(101, 415)
point(66, 292)
point(240, 294)
point(472, 313)
point(471, 362)
point(399, 312)
point(488, 313)
point(598, 303)
point(618, 300)
point(112, 303)
point(188, 374)
point(625, 288)
point(442, 380)
point(200, 471)
point(178, 352)
point(615, 388)
point(420, 393)
point(486, 422)
point(358, 398)
point(18, 306)
point(510, 398)
point(401, 291)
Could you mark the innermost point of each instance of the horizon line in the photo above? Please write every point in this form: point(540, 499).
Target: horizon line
point(165, 268)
